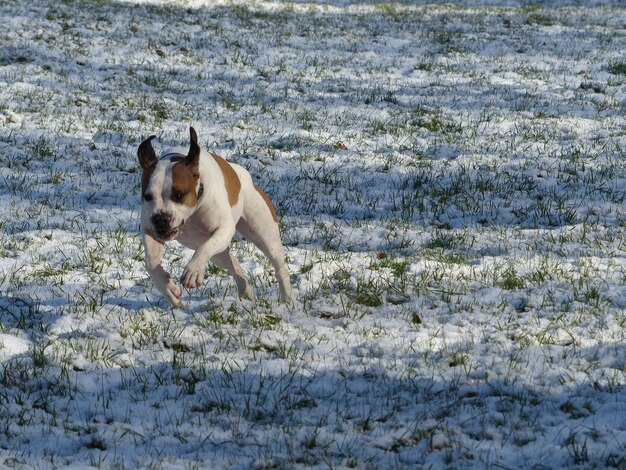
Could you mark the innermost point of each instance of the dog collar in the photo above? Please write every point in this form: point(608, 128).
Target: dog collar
point(175, 157)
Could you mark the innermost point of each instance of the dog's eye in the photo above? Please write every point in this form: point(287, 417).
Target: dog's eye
point(178, 196)
point(147, 197)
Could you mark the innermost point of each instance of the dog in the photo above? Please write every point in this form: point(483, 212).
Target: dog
point(199, 199)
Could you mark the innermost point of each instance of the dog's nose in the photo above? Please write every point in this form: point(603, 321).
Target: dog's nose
point(161, 221)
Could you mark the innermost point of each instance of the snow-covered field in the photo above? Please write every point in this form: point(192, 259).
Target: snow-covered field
point(450, 181)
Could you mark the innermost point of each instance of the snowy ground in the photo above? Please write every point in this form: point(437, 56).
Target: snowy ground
point(450, 181)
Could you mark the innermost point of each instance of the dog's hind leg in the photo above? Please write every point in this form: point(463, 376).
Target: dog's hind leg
point(265, 235)
point(227, 261)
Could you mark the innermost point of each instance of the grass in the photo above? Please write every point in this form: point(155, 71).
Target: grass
point(617, 67)
point(459, 254)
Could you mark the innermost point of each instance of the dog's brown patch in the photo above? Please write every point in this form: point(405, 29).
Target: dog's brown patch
point(268, 202)
point(183, 185)
point(231, 180)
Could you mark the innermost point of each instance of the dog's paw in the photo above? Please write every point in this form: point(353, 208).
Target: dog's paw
point(286, 295)
point(170, 290)
point(193, 275)
point(173, 293)
point(247, 294)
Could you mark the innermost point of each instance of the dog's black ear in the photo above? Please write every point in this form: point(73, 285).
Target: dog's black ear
point(145, 153)
point(193, 157)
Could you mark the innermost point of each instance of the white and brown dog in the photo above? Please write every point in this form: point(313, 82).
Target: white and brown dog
point(199, 199)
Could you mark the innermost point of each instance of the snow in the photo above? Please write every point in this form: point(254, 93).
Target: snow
point(451, 188)
point(12, 345)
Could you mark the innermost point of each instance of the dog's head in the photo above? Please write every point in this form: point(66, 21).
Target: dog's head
point(169, 187)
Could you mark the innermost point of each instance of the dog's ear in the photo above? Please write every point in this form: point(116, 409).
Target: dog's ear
point(193, 157)
point(145, 153)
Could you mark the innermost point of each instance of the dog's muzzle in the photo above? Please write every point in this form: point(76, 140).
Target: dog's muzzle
point(162, 223)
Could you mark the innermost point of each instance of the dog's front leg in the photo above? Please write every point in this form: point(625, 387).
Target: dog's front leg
point(162, 280)
point(193, 275)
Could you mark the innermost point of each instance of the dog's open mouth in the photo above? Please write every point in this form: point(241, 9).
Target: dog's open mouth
point(171, 234)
